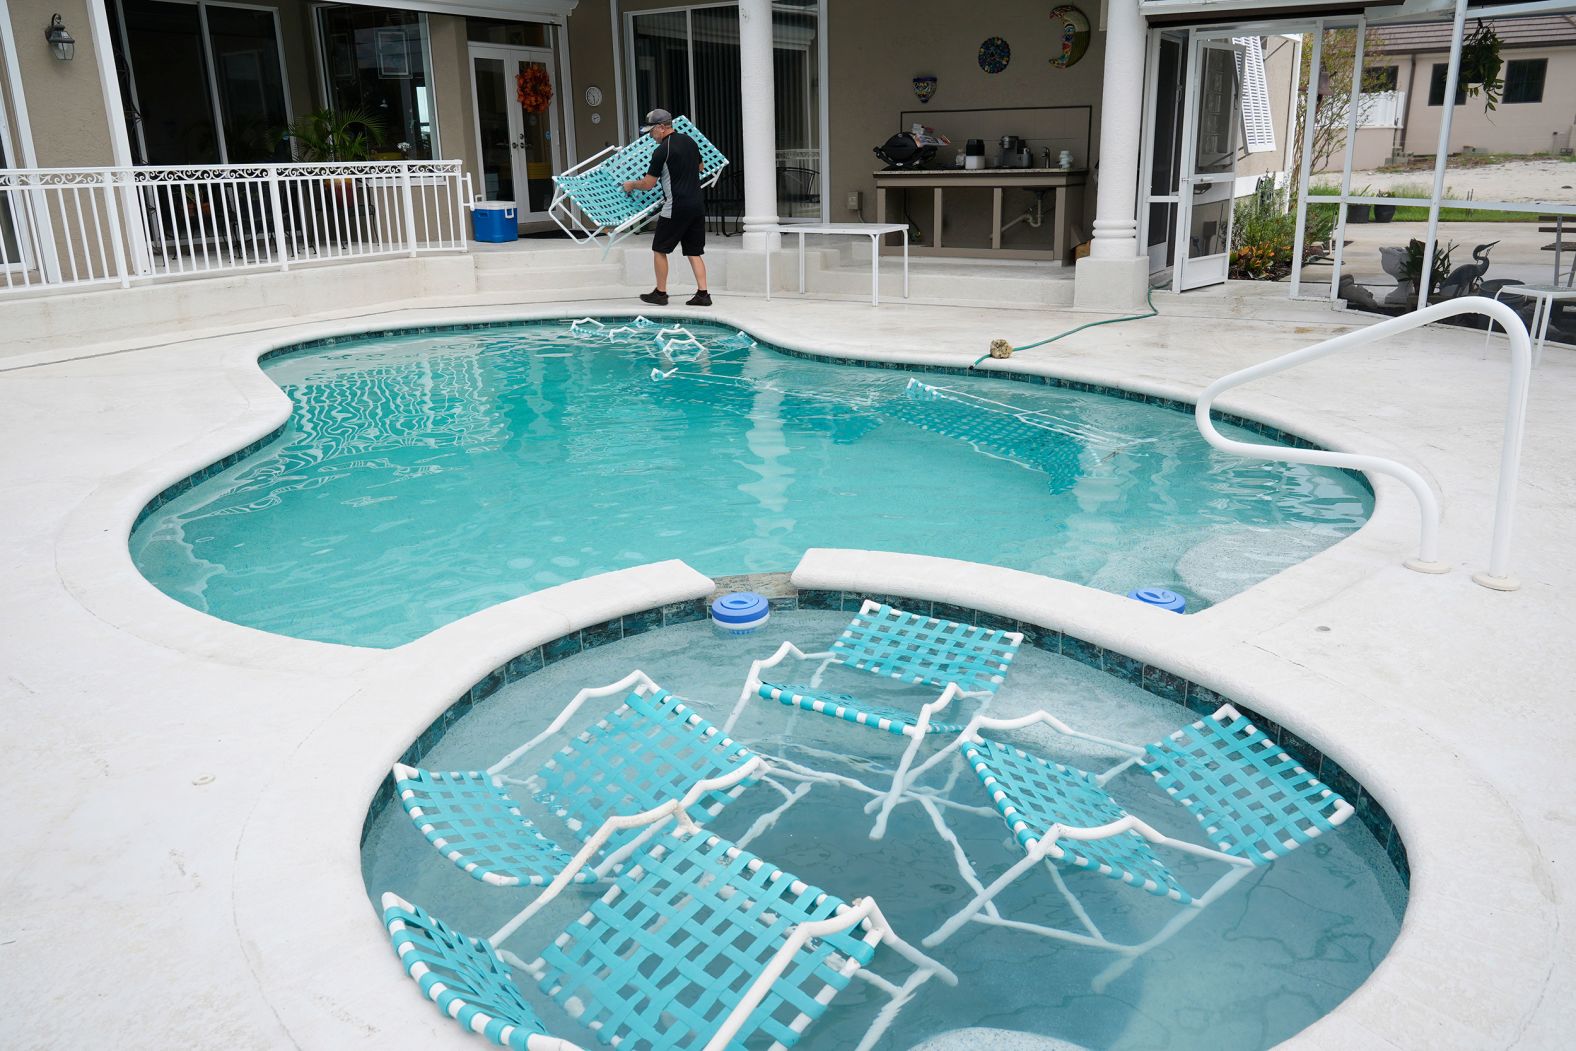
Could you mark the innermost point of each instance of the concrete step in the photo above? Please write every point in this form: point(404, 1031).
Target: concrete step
point(537, 255)
point(566, 296)
point(605, 276)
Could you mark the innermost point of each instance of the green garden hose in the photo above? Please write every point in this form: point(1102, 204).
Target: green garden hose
point(1149, 297)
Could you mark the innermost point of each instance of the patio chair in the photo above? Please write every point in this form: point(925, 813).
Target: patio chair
point(1251, 798)
point(650, 752)
point(697, 944)
point(966, 661)
point(589, 203)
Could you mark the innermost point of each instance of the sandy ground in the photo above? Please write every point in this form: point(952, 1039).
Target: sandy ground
point(1547, 179)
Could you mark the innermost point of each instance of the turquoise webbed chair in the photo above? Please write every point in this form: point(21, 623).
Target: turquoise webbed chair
point(1250, 797)
point(966, 661)
point(649, 752)
point(698, 944)
point(589, 203)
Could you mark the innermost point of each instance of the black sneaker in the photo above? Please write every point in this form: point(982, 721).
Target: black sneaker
point(699, 299)
point(656, 297)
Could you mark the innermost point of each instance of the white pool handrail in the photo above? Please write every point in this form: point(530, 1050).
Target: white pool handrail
point(1427, 560)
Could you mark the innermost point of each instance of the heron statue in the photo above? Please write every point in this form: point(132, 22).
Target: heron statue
point(1465, 279)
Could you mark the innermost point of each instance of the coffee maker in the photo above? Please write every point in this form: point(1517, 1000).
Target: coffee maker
point(1015, 153)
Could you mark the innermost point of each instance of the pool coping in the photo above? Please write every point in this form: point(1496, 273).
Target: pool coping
point(1399, 1006)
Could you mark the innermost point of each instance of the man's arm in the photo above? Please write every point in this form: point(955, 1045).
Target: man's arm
point(659, 157)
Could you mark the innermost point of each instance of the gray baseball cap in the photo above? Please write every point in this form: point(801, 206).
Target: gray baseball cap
point(655, 117)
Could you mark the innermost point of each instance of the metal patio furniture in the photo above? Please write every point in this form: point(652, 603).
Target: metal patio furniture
point(589, 203)
point(1252, 799)
point(964, 660)
point(651, 751)
point(697, 944)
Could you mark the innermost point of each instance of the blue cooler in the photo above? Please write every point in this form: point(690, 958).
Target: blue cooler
point(495, 221)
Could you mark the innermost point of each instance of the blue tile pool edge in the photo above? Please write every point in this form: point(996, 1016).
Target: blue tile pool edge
point(1265, 430)
point(1155, 680)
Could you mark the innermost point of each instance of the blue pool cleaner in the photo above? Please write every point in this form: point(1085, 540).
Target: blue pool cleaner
point(740, 612)
point(1162, 597)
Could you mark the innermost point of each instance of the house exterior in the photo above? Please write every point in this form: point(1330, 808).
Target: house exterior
point(1536, 113)
point(795, 92)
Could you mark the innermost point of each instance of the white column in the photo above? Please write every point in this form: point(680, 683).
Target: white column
point(1115, 276)
point(760, 125)
point(119, 138)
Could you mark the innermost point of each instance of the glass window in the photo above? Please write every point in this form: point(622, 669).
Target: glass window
point(196, 98)
point(1524, 79)
point(1436, 87)
point(376, 61)
point(510, 34)
point(251, 84)
point(174, 104)
point(661, 44)
point(668, 45)
point(1383, 78)
point(10, 244)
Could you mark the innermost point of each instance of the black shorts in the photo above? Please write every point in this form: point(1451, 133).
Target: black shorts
point(688, 229)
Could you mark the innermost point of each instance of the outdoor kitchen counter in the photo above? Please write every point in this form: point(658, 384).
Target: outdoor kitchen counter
point(1064, 184)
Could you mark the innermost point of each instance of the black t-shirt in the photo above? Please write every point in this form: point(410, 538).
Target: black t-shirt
point(676, 165)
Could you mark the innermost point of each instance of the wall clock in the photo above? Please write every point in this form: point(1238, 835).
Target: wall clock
point(593, 96)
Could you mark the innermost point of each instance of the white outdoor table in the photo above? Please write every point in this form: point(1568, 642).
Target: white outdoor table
point(874, 231)
point(1543, 299)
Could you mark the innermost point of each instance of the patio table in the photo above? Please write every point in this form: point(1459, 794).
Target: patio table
point(874, 231)
point(1543, 299)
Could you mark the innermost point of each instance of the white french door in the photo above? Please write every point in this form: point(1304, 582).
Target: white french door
point(519, 151)
point(1209, 158)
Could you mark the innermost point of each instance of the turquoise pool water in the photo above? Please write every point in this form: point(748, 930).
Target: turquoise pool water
point(1281, 949)
point(424, 477)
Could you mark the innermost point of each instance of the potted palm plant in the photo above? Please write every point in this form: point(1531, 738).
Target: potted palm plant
point(336, 135)
point(327, 136)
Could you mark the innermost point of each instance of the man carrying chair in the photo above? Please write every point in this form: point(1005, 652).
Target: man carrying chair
point(675, 166)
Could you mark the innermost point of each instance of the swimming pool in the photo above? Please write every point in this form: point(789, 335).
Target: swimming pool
point(1281, 950)
point(424, 476)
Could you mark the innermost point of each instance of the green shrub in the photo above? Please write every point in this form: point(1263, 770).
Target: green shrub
point(1264, 232)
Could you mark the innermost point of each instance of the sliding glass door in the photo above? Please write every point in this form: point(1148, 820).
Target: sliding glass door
point(687, 60)
point(206, 82)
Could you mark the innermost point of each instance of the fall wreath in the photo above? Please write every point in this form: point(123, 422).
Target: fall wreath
point(533, 89)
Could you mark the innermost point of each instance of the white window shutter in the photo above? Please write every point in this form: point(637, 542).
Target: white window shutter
point(1257, 123)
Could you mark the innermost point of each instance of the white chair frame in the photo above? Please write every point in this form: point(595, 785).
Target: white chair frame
point(982, 908)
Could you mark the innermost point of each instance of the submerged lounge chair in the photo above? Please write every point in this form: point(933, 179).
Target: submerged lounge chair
point(1253, 801)
point(589, 203)
point(649, 753)
point(697, 944)
point(966, 661)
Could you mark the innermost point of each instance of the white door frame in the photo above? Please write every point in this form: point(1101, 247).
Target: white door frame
point(510, 55)
point(1210, 269)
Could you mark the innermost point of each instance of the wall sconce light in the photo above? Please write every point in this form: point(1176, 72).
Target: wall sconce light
point(62, 43)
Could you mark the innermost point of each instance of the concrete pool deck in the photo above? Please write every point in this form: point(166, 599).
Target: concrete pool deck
point(184, 861)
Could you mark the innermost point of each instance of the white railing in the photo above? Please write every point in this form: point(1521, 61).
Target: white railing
point(74, 227)
point(1427, 560)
